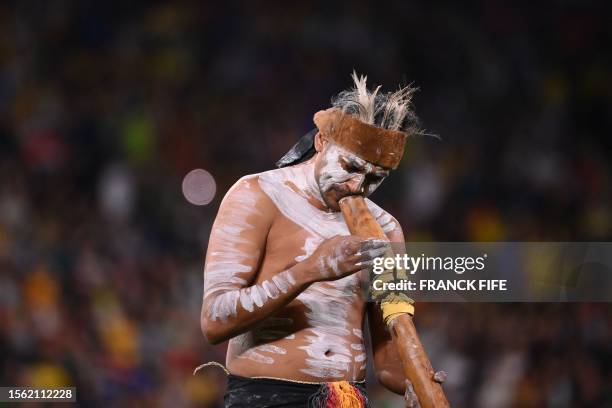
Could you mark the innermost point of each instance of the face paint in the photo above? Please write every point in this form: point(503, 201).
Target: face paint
point(340, 173)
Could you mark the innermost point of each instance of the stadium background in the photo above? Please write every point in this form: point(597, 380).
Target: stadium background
point(106, 106)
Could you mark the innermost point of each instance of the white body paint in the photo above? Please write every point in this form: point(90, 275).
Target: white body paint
point(332, 171)
point(225, 267)
point(330, 345)
point(253, 355)
point(256, 295)
point(330, 341)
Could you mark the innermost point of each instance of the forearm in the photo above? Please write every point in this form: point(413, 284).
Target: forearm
point(387, 364)
point(225, 314)
point(414, 369)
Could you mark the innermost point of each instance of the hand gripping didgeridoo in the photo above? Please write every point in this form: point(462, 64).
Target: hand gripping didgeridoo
point(415, 362)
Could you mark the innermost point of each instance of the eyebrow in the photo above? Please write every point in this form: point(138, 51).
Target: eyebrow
point(359, 162)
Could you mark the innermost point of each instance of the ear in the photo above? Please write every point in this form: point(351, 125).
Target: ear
point(319, 142)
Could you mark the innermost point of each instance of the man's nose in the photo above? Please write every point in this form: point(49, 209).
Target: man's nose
point(356, 184)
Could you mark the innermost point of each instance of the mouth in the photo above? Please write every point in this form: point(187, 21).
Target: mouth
point(338, 195)
point(348, 197)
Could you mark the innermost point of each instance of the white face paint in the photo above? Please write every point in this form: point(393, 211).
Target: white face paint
point(340, 173)
point(332, 171)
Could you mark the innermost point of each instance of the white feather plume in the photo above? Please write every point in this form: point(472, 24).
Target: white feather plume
point(390, 110)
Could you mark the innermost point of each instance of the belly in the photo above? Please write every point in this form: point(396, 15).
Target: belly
point(317, 337)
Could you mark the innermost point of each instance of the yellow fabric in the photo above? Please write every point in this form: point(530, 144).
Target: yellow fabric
point(346, 395)
point(391, 310)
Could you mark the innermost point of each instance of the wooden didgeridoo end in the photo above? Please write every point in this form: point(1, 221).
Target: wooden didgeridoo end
point(415, 362)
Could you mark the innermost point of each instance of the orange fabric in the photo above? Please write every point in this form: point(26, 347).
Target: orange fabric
point(343, 395)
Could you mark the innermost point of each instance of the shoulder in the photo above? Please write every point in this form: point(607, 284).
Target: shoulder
point(246, 196)
point(245, 186)
point(274, 183)
point(270, 187)
point(387, 222)
point(274, 176)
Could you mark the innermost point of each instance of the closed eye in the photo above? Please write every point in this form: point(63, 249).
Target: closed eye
point(351, 167)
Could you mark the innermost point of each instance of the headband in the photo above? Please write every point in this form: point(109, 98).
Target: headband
point(382, 147)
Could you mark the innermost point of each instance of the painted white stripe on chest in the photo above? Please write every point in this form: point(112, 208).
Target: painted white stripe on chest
point(329, 350)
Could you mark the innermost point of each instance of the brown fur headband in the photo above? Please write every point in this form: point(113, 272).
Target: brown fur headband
point(382, 147)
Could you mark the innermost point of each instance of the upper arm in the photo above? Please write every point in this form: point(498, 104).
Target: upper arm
point(236, 246)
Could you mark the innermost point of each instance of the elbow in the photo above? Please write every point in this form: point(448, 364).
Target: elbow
point(211, 331)
point(382, 376)
point(215, 331)
point(393, 381)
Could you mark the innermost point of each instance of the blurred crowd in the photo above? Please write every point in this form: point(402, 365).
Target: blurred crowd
point(106, 106)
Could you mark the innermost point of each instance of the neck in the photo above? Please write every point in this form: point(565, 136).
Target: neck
point(304, 183)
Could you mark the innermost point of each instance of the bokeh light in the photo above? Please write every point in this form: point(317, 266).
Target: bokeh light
point(199, 187)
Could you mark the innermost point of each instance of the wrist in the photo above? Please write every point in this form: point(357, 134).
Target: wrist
point(305, 273)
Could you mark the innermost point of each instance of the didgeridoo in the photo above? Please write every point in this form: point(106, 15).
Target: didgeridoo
point(415, 362)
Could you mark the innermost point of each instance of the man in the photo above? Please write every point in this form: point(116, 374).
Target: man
point(283, 276)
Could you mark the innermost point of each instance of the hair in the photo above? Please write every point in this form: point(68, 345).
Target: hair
point(391, 110)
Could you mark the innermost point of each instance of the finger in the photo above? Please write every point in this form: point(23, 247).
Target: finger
point(410, 397)
point(440, 376)
point(356, 270)
point(365, 264)
point(351, 245)
point(354, 239)
point(374, 243)
point(370, 254)
point(372, 251)
point(351, 271)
